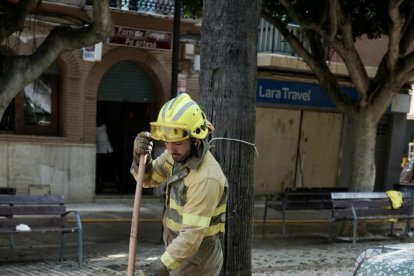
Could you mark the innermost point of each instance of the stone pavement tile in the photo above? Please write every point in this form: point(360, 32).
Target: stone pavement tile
point(101, 259)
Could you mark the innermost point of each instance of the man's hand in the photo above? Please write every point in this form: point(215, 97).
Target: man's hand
point(142, 145)
point(157, 268)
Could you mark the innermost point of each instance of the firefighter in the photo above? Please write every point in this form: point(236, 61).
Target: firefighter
point(196, 189)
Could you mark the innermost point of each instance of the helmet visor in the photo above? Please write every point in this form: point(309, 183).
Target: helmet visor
point(168, 133)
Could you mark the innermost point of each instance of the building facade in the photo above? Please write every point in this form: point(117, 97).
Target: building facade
point(77, 138)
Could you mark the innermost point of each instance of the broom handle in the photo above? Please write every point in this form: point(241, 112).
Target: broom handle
point(135, 216)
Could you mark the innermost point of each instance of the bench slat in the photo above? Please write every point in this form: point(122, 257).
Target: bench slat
point(12, 199)
point(32, 210)
point(347, 213)
point(33, 221)
point(12, 230)
point(359, 195)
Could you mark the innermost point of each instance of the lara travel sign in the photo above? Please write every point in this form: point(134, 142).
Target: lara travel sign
point(141, 38)
point(295, 93)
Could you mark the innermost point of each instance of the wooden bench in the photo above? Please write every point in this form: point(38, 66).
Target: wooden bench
point(7, 191)
point(301, 198)
point(42, 214)
point(361, 206)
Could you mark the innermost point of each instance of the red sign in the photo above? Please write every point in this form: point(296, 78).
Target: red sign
point(141, 38)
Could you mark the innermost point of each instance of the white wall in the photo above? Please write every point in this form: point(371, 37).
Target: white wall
point(36, 168)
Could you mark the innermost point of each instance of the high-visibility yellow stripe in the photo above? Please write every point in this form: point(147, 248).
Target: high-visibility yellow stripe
point(175, 206)
point(194, 220)
point(168, 261)
point(176, 227)
point(157, 177)
point(220, 210)
point(211, 230)
point(215, 229)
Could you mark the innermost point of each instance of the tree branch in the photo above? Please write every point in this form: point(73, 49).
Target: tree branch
point(333, 20)
point(407, 64)
point(396, 24)
point(14, 16)
point(64, 38)
point(407, 32)
point(319, 67)
point(345, 48)
point(300, 19)
point(25, 69)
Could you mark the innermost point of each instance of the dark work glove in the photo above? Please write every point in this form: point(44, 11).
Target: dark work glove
point(156, 268)
point(142, 145)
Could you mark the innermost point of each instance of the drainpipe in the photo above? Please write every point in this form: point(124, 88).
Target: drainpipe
point(176, 48)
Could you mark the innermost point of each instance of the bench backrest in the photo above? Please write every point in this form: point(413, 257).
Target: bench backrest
point(7, 190)
point(34, 211)
point(310, 198)
point(367, 204)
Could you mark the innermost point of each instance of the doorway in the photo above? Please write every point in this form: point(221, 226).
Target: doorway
point(126, 95)
point(123, 121)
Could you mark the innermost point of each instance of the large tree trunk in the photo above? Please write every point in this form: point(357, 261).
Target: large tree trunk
point(227, 95)
point(363, 165)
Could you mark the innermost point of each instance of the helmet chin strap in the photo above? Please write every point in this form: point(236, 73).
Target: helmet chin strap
point(195, 146)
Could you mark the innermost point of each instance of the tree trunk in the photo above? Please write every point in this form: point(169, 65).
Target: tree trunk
point(227, 95)
point(363, 167)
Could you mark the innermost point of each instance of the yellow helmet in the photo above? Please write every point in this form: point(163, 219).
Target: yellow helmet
point(180, 118)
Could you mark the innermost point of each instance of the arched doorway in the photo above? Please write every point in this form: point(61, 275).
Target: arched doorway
point(125, 98)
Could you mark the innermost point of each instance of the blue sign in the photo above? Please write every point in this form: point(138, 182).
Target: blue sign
point(295, 93)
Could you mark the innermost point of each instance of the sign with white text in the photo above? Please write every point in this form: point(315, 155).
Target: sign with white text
point(294, 93)
point(92, 53)
point(141, 38)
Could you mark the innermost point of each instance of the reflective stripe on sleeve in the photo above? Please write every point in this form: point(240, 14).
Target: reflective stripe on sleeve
point(195, 220)
point(157, 177)
point(220, 210)
point(211, 230)
point(168, 261)
point(175, 206)
point(215, 229)
point(172, 225)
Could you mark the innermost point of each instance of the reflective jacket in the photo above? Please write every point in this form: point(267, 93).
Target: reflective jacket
point(196, 197)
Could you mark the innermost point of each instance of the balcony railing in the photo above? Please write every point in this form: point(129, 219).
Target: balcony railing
point(271, 40)
point(161, 7)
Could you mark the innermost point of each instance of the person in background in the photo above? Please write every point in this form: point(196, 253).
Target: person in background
point(195, 185)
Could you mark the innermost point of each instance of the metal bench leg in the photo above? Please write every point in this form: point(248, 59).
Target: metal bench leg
point(62, 246)
point(80, 247)
point(355, 224)
point(407, 227)
point(12, 244)
point(283, 222)
point(80, 239)
point(392, 228)
point(265, 209)
point(265, 214)
point(354, 231)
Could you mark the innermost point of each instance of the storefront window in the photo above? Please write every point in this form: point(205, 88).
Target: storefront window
point(38, 102)
point(34, 110)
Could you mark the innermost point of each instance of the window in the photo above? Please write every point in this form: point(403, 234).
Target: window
point(35, 109)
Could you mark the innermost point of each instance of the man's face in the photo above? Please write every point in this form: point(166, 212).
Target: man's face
point(179, 151)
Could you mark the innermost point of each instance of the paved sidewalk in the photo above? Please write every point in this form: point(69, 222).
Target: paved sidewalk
point(106, 244)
